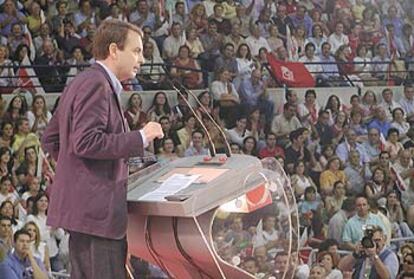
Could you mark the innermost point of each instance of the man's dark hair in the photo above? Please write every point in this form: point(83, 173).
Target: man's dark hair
point(325, 43)
point(308, 45)
point(286, 106)
point(322, 112)
point(163, 118)
point(2, 217)
point(361, 196)
point(348, 204)
point(19, 233)
point(324, 246)
point(310, 92)
point(294, 135)
point(281, 254)
point(270, 134)
point(197, 131)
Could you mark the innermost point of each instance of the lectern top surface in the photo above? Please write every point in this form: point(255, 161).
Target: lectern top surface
point(218, 182)
point(206, 174)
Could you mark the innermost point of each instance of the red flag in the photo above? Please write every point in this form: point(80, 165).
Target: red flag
point(293, 74)
point(27, 77)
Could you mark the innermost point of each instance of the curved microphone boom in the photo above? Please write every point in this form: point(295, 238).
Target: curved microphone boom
point(211, 146)
point(222, 134)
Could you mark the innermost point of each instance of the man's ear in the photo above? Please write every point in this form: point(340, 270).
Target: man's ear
point(113, 50)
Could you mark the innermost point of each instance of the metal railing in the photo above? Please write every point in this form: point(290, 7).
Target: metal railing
point(63, 72)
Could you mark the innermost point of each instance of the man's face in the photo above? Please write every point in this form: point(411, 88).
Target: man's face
point(250, 267)
point(392, 12)
point(180, 9)
point(317, 272)
point(281, 263)
point(17, 30)
point(271, 141)
point(405, 158)
point(256, 77)
point(218, 11)
point(235, 30)
point(77, 54)
point(241, 123)
point(282, 53)
point(291, 111)
point(301, 12)
point(5, 229)
point(182, 100)
point(379, 240)
point(86, 7)
point(48, 48)
point(147, 33)
point(235, 149)
point(197, 140)
point(148, 50)
point(62, 9)
point(165, 125)
point(381, 115)
point(35, 184)
point(176, 30)
point(31, 154)
point(384, 159)
point(281, 11)
point(324, 118)
point(5, 186)
point(269, 223)
point(265, 15)
point(255, 31)
point(326, 50)
point(382, 51)
point(373, 136)
point(362, 207)
point(409, 93)
point(387, 96)
point(142, 7)
point(310, 51)
point(339, 29)
point(260, 255)
point(351, 136)
point(24, 127)
point(212, 28)
point(44, 30)
point(237, 225)
point(228, 51)
point(354, 158)
point(129, 60)
point(69, 29)
point(22, 245)
point(310, 99)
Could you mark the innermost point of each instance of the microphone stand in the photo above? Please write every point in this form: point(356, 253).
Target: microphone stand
point(190, 92)
point(211, 146)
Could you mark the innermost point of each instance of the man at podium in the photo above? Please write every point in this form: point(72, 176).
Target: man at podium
point(90, 139)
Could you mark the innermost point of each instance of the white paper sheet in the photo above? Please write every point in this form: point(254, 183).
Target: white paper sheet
point(170, 186)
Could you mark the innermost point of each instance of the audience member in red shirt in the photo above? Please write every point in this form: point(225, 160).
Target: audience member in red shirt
point(271, 149)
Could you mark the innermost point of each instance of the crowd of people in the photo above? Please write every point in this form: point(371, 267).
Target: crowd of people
point(341, 42)
point(350, 162)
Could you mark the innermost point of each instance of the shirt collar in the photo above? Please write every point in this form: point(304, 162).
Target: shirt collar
point(114, 80)
point(17, 258)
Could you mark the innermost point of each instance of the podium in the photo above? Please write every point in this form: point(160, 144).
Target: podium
point(213, 228)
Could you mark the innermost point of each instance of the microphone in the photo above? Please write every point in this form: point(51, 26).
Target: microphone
point(222, 134)
point(211, 146)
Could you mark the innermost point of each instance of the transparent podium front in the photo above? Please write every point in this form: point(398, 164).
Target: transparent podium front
point(256, 234)
point(237, 220)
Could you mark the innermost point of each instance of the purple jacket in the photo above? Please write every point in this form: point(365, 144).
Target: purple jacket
point(88, 137)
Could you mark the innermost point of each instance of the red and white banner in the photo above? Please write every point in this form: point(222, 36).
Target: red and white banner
point(292, 74)
point(27, 78)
